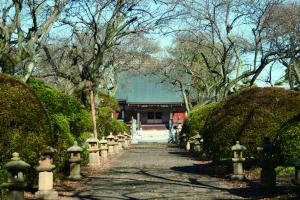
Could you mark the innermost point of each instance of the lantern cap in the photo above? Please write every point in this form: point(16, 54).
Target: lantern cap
point(238, 147)
point(120, 135)
point(103, 141)
point(110, 136)
point(92, 139)
point(16, 163)
point(75, 148)
point(50, 151)
point(197, 136)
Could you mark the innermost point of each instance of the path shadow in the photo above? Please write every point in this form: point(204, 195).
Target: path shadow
point(253, 189)
point(147, 179)
point(205, 168)
point(168, 183)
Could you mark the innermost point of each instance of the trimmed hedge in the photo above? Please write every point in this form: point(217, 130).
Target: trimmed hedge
point(249, 116)
point(196, 119)
point(34, 116)
point(287, 140)
point(68, 118)
point(24, 123)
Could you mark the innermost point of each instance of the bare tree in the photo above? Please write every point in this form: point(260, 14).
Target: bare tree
point(230, 42)
point(99, 29)
point(24, 29)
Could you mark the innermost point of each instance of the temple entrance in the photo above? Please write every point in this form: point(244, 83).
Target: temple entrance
point(153, 106)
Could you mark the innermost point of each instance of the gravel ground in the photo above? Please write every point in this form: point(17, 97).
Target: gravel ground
point(161, 172)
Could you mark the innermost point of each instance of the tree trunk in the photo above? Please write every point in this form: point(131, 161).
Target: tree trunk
point(91, 94)
point(185, 98)
point(29, 71)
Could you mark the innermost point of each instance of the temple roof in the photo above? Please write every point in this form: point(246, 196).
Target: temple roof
point(137, 88)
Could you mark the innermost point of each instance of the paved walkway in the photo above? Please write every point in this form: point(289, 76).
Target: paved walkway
point(154, 172)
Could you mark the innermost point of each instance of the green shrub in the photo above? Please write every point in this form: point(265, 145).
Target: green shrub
point(196, 119)
point(108, 101)
point(287, 140)
point(24, 123)
point(105, 123)
point(57, 103)
point(248, 116)
point(34, 117)
point(68, 118)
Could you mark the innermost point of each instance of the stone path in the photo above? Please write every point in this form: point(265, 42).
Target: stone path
point(153, 172)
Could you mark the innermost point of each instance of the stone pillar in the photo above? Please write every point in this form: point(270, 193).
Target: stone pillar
point(93, 149)
point(103, 148)
point(15, 177)
point(110, 143)
point(238, 171)
point(116, 145)
point(267, 162)
point(45, 185)
point(134, 133)
point(120, 141)
point(74, 161)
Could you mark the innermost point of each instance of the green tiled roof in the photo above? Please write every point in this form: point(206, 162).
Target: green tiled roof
point(140, 89)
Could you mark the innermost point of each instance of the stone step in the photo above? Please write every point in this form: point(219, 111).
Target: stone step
point(154, 136)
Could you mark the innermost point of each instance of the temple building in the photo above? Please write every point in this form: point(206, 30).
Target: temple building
point(155, 105)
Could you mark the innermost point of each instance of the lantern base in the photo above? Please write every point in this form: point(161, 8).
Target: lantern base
point(47, 194)
point(14, 194)
point(238, 177)
point(75, 177)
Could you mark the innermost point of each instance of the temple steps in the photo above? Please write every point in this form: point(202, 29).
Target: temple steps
point(154, 136)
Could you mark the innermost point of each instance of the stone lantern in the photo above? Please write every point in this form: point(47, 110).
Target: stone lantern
point(191, 141)
point(129, 139)
point(123, 141)
point(197, 143)
point(93, 149)
point(74, 161)
point(238, 172)
point(103, 148)
point(296, 181)
point(110, 143)
point(267, 162)
point(15, 177)
point(188, 146)
point(116, 144)
point(183, 141)
point(45, 168)
point(177, 128)
point(120, 141)
point(126, 140)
